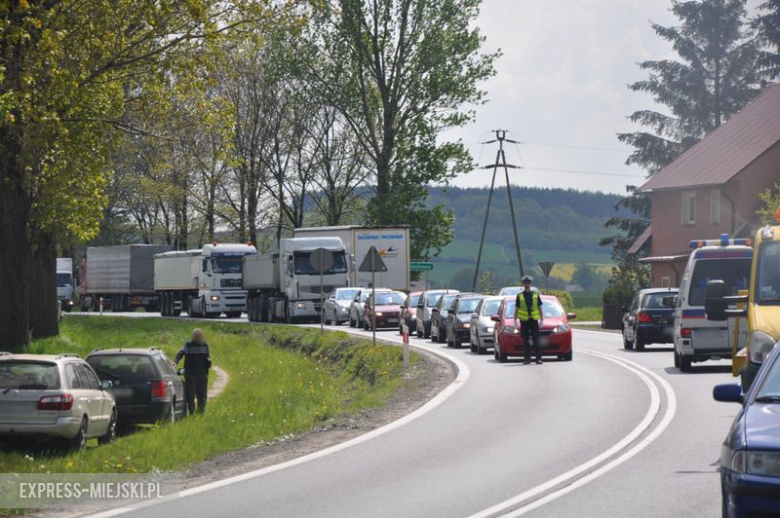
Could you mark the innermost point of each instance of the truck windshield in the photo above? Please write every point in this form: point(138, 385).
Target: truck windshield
point(227, 264)
point(63, 279)
point(304, 267)
point(768, 274)
point(734, 272)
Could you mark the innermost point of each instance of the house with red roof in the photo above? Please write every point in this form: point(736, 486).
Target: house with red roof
point(713, 187)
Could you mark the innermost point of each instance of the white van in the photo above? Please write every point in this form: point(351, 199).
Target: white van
point(697, 339)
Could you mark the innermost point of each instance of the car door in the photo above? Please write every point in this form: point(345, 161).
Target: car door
point(354, 305)
point(101, 399)
point(631, 319)
point(169, 376)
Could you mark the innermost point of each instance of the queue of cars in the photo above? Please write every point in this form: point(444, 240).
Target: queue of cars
point(63, 400)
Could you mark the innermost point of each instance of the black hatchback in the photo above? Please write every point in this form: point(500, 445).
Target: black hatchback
point(145, 385)
point(650, 318)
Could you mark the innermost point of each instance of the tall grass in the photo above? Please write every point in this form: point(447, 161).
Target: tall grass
point(283, 381)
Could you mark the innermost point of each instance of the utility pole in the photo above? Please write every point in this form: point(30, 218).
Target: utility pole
point(500, 161)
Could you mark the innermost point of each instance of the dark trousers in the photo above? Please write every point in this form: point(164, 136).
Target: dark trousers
point(530, 329)
point(196, 386)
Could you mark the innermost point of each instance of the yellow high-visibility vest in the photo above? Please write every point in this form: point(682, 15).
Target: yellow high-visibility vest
point(522, 310)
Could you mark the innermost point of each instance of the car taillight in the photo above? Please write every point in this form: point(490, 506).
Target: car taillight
point(685, 332)
point(644, 318)
point(60, 402)
point(158, 389)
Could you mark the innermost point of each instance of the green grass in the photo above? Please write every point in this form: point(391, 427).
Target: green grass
point(588, 314)
point(283, 380)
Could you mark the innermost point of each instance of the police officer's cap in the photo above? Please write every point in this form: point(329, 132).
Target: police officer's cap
point(528, 279)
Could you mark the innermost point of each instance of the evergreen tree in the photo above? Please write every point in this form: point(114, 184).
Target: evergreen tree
point(768, 26)
point(717, 73)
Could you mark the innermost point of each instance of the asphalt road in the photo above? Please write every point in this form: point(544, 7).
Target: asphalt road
point(612, 433)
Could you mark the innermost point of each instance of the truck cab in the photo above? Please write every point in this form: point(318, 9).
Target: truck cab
point(66, 291)
point(219, 279)
point(759, 305)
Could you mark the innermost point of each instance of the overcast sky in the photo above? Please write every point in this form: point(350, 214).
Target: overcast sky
point(562, 81)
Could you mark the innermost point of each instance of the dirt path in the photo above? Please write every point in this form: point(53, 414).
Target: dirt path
point(220, 383)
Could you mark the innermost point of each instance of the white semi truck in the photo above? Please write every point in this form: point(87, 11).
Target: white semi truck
point(392, 243)
point(284, 286)
point(203, 282)
point(66, 291)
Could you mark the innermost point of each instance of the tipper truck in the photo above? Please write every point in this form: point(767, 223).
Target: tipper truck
point(121, 276)
point(66, 290)
point(204, 282)
point(392, 243)
point(284, 286)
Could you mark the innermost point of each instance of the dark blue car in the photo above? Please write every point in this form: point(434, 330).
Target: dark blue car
point(750, 457)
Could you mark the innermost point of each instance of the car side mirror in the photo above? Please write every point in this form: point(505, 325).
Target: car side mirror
point(714, 304)
point(495, 318)
point(180, 372)
point(728, 393)
point(571, 316)
point(105, 385)
point(669, 302)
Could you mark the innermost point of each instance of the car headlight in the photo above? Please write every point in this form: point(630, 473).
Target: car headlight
point(759, 346)
point(509, 330)
point(300, 305)
point(563, 328)
point(752, 462)
point(215, 297)
point(379, 313)
point(488, 329)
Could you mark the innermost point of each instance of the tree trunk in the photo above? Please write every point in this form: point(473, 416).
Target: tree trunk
point(44, 320)
point(14, 255)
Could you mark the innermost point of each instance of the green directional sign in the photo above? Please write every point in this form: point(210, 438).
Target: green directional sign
point(420, 267)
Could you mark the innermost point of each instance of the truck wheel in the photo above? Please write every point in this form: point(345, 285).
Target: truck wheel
point(176, 312)
point(262, 314)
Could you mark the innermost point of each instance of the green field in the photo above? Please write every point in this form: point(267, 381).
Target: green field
point(283, 380)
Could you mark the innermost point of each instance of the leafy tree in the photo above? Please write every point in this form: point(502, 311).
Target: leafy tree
point(716, 75)
point(461, 279)
point(768, 26)
point(770, 205)
point(588, 278)
point(400, 72)
point(487, 283)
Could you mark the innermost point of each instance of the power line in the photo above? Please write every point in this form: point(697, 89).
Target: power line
point(571, 146)
point(576, 171)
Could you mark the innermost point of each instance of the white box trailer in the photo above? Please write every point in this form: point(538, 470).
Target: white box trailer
point(391, 242)
point(177, 270)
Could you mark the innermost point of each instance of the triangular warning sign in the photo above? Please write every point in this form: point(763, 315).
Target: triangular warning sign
point(372, 262)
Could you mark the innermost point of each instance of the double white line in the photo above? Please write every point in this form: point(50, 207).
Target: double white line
point(616, 455)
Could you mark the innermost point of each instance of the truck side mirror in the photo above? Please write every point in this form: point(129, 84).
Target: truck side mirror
point(714, 304)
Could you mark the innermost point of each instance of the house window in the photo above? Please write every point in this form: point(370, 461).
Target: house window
point(689, 208)
point(666, 282)
point(715, 206)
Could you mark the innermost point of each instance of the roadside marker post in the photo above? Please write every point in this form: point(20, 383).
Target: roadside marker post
point(405, 336)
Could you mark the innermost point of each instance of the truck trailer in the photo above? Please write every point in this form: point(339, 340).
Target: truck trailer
point(121, 276)
point(284, 286)
point(66, 291)
point(204, 282)
point(391, 242)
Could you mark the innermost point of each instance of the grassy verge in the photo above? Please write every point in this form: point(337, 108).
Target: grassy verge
point(588, 314)
point(283, 380)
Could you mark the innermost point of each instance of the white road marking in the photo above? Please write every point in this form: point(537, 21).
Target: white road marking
point(580, 475)
point(464, 373)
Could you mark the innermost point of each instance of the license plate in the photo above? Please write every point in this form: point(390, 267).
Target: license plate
point(664, 322)
point(543, 341)
point(710, 334)
point(392, 320)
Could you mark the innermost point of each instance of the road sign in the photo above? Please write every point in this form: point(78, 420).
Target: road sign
point(546, 267)
point(420, 267)
point(321, 260)
point(372, 262)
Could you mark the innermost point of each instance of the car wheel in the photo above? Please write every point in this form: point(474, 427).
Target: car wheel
point(676, 359)
point(639, 345)
point(626, 344)
point(472, 346)
point(78, 441)
point(171, 417)
point(566, 357)
point(110, 435)
point(456, 343)
point(685, 363)
point(503, 357)
point(419, 332)
point(480, 348)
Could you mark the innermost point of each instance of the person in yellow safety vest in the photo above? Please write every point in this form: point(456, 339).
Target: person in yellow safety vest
point(528, 306)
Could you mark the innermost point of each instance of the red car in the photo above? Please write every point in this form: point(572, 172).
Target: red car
point(388, 309)
point(554, 335)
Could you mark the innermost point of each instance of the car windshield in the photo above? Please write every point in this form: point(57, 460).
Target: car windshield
point(734, 272)
point(304, 267)
point(389, 299)
point(23, 375)
point(468, 305)
point(448, 300)
point(656, 300)
point(770, 388)
point(125, 367)
point(509, 309)
point(63, 279)
point(345, 294)
point(768, 274)
point(490, 307)
point(513, 290)
point(227, 264)
point(433, 298)
point(551, 308)
point(414, 300)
